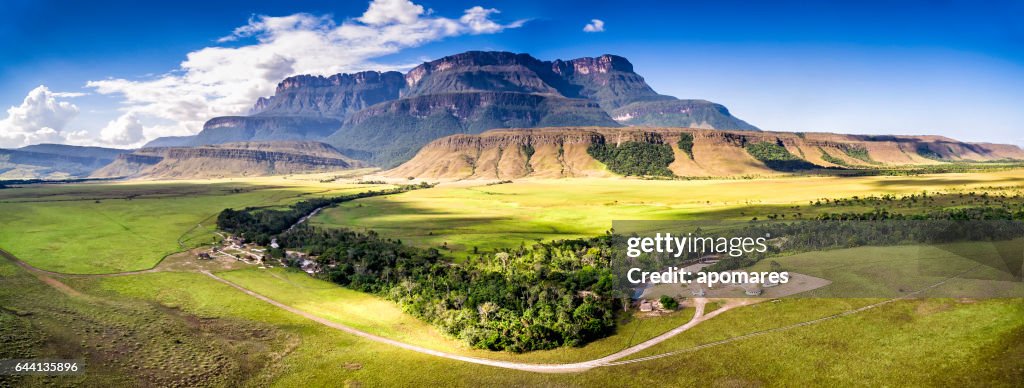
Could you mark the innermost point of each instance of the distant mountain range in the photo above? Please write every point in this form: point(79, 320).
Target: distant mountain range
point(54, 161)
point(385, 117)
point(492, 115)
point(227, 160)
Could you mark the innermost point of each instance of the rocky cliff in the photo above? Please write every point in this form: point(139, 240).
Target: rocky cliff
point(387, 116)
point(227, 160)
point(563, 152)
point(392, 132)
point(337, 96)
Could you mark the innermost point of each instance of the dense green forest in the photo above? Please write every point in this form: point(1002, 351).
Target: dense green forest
point(634, 158)
point(260, 225)
point(776, 157)
point(542, 297)
point(546, 296)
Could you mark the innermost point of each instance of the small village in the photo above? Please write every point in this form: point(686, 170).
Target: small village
point(237, 248)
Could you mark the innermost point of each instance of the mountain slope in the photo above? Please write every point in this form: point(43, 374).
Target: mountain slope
point(392, 132)
point(227, 160)
point(387, 116)
point(337, 96)
point(567, 152)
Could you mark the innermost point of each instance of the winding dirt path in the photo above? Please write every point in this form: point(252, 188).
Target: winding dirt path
point(698, 317)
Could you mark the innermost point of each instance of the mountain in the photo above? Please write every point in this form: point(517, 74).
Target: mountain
point(169, 141)
point(228, 160)
point(387, 116)
point(54, 161)
point(576, 152)
point(233, 129)
point(679, 113)
point(77, 151)
point(337, 96)
point(392, 132)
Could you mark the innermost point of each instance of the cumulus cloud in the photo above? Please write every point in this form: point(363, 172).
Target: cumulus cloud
point(126, 130)
point(40, 118)
point(222, 80)
point(391, 11)
point(595, 25)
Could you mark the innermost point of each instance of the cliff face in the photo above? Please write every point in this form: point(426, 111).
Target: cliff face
point(392, 132)
point(230, 129)
point(678, 113)
point(225, 160)
point(608, 79)
point(337, 96)
point(562, 152)
point(418, 106)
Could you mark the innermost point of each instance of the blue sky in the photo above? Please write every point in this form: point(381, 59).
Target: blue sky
point(953, 68)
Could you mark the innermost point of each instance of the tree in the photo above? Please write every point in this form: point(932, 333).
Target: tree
point(668, 302)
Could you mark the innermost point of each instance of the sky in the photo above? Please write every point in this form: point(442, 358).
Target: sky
point(120, 73)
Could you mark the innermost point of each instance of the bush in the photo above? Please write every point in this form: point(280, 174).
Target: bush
point(668, 302)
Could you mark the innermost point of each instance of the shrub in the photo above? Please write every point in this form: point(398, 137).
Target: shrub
point(668, 302)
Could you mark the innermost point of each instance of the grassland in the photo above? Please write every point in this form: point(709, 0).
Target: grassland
point(929, 342)
point(180, 325)
point(381, 317)
point(114, 227)
point(465, 215)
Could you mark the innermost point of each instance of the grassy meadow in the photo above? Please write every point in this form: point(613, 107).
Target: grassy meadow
point(463, 215)
point(185, 328)
point(116, 227)
point(933, 342)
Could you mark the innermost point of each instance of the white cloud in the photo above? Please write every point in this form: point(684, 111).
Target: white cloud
point(383, 12)
point(595, 25)
point(126, 130)
point(40, 118)
point(68, 94)
point(219, 81)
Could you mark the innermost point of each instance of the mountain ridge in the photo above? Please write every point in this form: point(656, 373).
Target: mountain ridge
point(566, 152)
point(228, 159)
point(587, 89)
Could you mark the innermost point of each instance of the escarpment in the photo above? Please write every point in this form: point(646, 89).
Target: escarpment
point(385, 117)
point(226, 160)
point(565, 152)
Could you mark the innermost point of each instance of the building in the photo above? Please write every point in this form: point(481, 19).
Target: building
point(646, 306)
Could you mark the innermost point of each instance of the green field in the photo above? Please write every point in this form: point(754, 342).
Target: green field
point(934, 342)
point(181, 327)
point(103, 228)
point(381, 317)
point(507, 215)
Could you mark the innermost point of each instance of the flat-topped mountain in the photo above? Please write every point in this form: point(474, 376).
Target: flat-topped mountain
point(227, 160)
point(54, 161)
point(598, 151)
point(387, 116)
